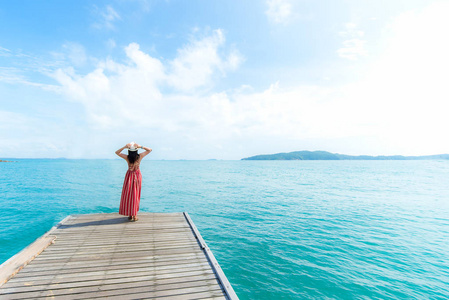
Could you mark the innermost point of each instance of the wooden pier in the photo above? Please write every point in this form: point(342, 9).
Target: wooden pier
point(161, 256)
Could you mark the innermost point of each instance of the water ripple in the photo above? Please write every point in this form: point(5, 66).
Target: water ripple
point(280, 230)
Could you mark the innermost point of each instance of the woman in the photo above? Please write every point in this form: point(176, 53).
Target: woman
point(130, 200)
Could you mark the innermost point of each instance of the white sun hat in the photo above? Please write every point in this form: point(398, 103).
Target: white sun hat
point(132, 147)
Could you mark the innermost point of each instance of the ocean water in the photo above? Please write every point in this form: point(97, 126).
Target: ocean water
point(279, 229)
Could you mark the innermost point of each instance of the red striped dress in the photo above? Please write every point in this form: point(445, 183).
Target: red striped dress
point(130, 200)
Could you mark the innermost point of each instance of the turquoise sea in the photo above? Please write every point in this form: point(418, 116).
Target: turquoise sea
point(279, 229)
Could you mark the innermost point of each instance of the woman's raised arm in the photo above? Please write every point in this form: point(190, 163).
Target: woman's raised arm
point(147, 151)
point(118, 152)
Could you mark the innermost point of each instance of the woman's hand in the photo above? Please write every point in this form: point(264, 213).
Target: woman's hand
point(138, 146)
point(128, 145)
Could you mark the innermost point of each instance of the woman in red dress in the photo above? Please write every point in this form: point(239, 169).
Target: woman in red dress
point(130, 200)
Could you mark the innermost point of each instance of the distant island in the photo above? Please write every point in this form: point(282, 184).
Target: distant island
point(324, 155)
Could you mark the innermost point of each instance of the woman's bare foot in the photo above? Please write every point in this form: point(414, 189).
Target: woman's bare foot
point(130, 218)
point(135, 218)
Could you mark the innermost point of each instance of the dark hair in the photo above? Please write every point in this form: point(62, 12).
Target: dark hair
point(133, 156)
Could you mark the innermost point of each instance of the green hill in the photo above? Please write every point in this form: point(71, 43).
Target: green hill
point(323, 155)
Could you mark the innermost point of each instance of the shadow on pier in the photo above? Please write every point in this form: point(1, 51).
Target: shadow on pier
point(113, 221)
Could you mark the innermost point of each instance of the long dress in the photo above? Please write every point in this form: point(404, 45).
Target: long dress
point(130, 200)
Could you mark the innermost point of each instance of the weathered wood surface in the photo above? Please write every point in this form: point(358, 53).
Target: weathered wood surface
point(105, 255)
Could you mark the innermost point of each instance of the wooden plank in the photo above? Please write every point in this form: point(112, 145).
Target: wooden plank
point(123, 223)
point(77, 237)
point(112, 238)
point(165, 249)
point(93, 240)
point(110, 287)
point(158, 290)
point(122, 242)
point(184, 293)
point(123, 289)
point(122, 227)
point(119, 248)
point(84, 273)
point(104, 240)
point(141, 229)
point(107, 266)
point(141, 256)
point(124, 261)
point(79, 277)
point(159, 231)
point(100, 282)
point(109, 215)
point(111, 231)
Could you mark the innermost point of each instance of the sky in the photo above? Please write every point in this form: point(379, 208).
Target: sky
point(223, 79)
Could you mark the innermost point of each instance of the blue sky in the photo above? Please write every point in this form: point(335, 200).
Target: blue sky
point(223, 79)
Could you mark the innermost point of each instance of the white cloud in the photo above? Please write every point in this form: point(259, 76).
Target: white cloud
point(403, 95)
point(116, 94)
point(111, 44)
point(5, 52)
point(145, 5)
point(14, 75)
point(407, 85)
point(107, 17)
point(10, 75)
point(353, 46)
point(19, 67)
point(76, 53)
point(279, 11)
point(198, 61)
point(351, 31)
point(352, 49)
